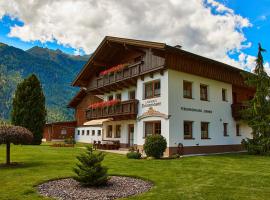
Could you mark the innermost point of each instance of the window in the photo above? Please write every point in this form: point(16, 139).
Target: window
point(110, 97)
point(99, 132)
point(238, 130)
point(132, 94)
point(63, 132)
point(93, 132)
point(109, 131)
point(188, 129)
point(82, 132)
point(204, 92)
point(118, 131)
point(204, 130)
point(152, 127)
point(224, 94)
point(118, 96)
point(78, 132)
point(87, 132)
point(187, 89)
point(225, 129)
point(152, 89)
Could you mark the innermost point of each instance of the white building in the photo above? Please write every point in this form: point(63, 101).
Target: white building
point(152, 88)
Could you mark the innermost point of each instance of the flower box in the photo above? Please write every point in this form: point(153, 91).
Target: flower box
point(104, 104)
point(113, 69)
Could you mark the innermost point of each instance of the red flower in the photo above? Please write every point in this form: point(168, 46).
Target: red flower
point(113, 69)
point(104, 103)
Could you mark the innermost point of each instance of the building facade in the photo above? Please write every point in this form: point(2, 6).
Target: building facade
point(152, 88)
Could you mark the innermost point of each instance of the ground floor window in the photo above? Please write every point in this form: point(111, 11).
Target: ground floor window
point(78, 132)
point(188, 129)
point(82, 132)
point(99, 133)
point(238, 130)
point(204, 130)
point(152, 127)
point(225, 129)
point(87, 132)
point(117, 131)
point(93, 132)
point(109, 131)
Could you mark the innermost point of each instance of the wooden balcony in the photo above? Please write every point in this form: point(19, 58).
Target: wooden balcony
point(122, 111)
point(121, 79)
point(236, 110)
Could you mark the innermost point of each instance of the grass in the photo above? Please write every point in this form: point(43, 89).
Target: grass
point(225, 177)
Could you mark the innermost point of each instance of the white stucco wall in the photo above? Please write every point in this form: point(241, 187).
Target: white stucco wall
point(162, 107)
point(221, 112)
point(88, 138)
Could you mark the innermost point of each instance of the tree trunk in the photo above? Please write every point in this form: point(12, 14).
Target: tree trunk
point(8, 154)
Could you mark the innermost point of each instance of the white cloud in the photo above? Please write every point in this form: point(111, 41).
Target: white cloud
point(82, 24)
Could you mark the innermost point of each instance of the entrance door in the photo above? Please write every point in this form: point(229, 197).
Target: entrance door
point(130, 135)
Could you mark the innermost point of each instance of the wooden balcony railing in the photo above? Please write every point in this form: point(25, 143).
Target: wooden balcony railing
point(123, 110)
point(236, 110)
point(125, 75)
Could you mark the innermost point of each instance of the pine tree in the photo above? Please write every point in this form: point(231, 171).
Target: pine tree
point(29, 107)
point(89, 171)
point(257, 115)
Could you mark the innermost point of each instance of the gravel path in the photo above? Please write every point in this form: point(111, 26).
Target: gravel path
point(117, 187)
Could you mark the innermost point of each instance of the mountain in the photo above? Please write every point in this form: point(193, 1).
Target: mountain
point(54, 68)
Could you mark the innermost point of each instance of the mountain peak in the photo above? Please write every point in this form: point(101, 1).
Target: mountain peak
point(3, 44)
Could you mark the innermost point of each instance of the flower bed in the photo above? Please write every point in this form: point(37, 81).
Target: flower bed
point(113, 69)
point(104, 104)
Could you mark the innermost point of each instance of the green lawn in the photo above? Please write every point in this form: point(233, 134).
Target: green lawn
point(204, 177)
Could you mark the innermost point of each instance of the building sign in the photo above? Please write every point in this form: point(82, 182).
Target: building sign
point(151, 103)
point(196, 110)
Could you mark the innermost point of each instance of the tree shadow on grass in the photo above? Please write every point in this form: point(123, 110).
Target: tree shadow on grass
point(17, 165)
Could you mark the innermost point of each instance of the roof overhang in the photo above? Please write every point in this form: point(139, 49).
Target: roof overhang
point(108, 42)
point(97, 122)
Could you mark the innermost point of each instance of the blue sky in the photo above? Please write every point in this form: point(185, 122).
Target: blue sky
point(258, 14)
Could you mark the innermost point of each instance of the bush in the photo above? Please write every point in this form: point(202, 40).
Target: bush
point(257, 146)
point(70, 141)
point(89, 171)
point(134, 155)
point(155, 145)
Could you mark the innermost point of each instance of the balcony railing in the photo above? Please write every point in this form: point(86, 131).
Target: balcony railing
point(132, 71)
point(123, 110)
point(236, 110)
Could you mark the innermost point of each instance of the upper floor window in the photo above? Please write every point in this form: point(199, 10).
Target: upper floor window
point(110, 97)
point(152, 127)
point(152, 89)
point(118, 96)
point(132, 94)
point(118, 131)
point(187, 89)
point(204, 130)
point(224, 94)
point(225, 129)
point(109, 131)
point(204, 92)
point(188, 129)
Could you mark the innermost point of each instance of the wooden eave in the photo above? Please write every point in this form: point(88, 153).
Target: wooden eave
point(107, 41)
point(77, 99)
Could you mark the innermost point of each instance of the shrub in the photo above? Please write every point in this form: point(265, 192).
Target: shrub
point(257, 146)
point(70, 141)
point(89, 171)
point(155, 145)
point(134, 155)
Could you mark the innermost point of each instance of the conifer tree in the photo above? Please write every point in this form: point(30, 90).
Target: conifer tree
point(257, 115)
point(29, 107)
point(89, 170)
